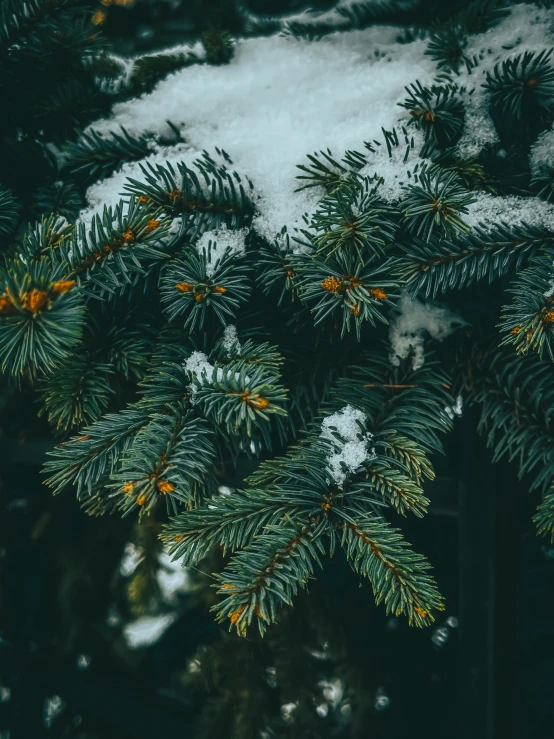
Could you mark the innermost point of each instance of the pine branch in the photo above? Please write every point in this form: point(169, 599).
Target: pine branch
point(267, 574)
point(528, 323)
point(95, 157)
point(187, 288)
point(398, 576)
point(438, 266)
point(41, 318)
point(171, 457)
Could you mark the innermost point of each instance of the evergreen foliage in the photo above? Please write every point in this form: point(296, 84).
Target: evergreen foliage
point(170, 342)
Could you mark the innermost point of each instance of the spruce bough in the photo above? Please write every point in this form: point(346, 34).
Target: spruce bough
point(169, 340)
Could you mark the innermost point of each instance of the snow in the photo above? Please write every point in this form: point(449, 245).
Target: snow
point(488, 210)
point(230, 340)
point(147, 630)
point(215, 244)
point(351, 452)
point(282, 97)
point(132, 557)
point(526, 28)
point(277, 100)
point(479, 130)
point(455, 410)
point(415, 320)
point(396, 170)
point(172, 578)
point(542, 152)
point(198, 364)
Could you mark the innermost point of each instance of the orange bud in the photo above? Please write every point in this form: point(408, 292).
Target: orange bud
point(128, 487)
point(34, 300)
point(185, 287)
point(164, 486)
point(332, 284)
point(152, 225)
point(237, 614)
point(377, 294)
point(6, 305)
point(99, 17)
point(62, 286)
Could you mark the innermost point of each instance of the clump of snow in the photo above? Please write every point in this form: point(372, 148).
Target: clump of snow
point(219, 242)
point(230, 340)
point(488, 210)
point(455, 410)
point(415, 320)
point(353, 447)
point(281, 97)
point(198, 364)
point(147, 630)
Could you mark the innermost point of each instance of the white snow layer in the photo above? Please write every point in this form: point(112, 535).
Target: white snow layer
point(526, 28)
point(407, 331)
point(542, 152)
point(354, 450)
point(282, 98)
point(279, 99)
point(487, 211)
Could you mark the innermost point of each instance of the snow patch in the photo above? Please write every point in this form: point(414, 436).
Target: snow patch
point(214, 245)
point(147, 630)
point(416, 318)
point(542, 152)
point(353, 447)
point(278, 99)
point(230, 340)
point(452, 411)
point(488, 210)
point(396, 169)
point(198, 364)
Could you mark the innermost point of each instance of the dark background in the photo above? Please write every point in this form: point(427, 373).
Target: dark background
point(489, 677)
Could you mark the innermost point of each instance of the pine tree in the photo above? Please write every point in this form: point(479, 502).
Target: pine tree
point(177, 351)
